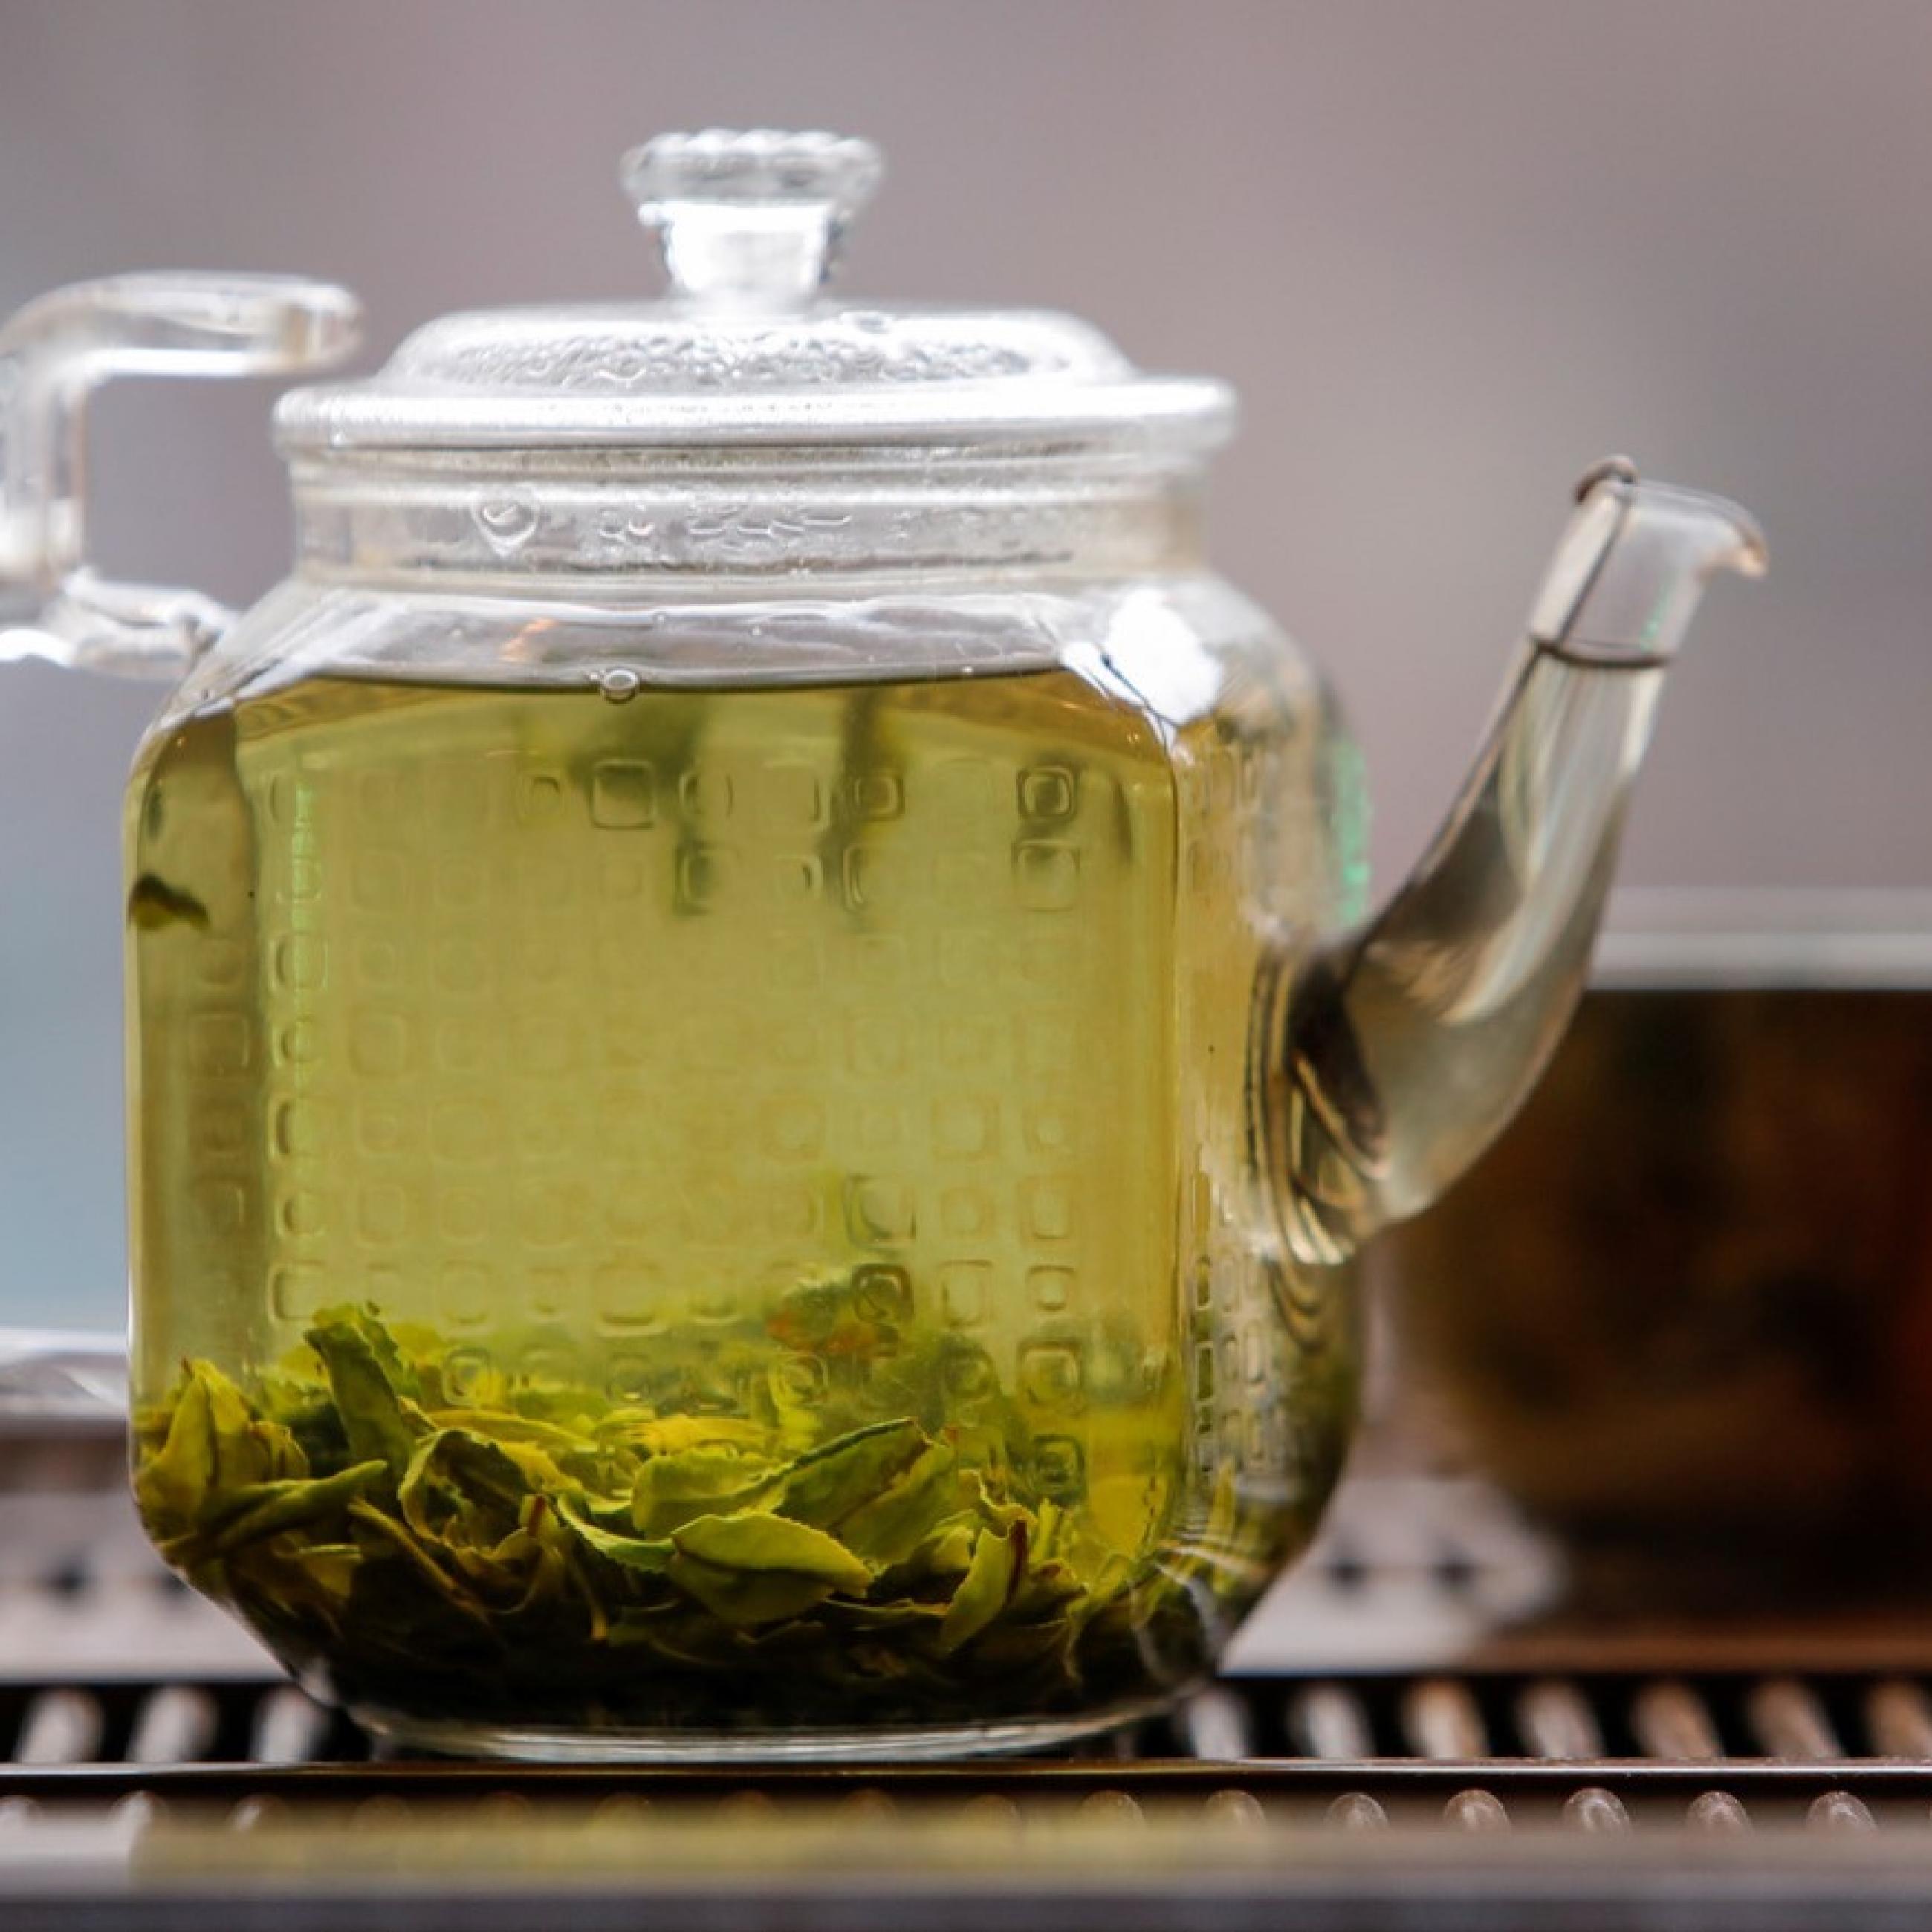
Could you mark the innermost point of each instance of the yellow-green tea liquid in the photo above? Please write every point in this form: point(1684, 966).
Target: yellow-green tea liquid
point(810, 1049)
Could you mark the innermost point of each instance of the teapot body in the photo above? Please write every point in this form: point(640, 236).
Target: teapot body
point(754, 1068)
point(698, 1150)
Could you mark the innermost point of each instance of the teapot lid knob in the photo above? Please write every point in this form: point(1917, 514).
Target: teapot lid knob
point(750, 221)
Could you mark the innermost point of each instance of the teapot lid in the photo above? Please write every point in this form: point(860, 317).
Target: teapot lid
point(746, 349)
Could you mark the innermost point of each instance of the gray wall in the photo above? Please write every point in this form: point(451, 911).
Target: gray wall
point(1450, 254)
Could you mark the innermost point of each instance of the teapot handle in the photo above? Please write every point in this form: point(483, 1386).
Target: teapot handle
point(52, 353)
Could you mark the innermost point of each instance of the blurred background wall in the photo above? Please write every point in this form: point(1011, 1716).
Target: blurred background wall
point(1450, 254)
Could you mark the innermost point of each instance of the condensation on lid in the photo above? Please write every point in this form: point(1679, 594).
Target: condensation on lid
point(745, 349)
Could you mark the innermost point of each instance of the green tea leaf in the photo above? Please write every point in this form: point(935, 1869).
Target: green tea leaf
point(559, 1404)
point(1045, 1590)
point(651, 1557)
point(267, 1509)
point(505, 1426)
point(933, 1568)
point(462, 1489)
point(996, 1510)
point(385, 1343)
point(682, 1635)
point(667, 1434)
point(1049, 1528)
point(387, 1529)
point(756, 1539)
point(303, 1405)
point(742, 1597)
point(910, 1507)
point(1009, 1650)
point(701, 1556)
point(216, 1443)
point(997, 1558)
point(330, 1569)
point(844, 1615)
point(522, 1572)
point(174, 1484)
point(610, 1513)
point(540, 1472)
point(756, 1567)
point(672, 1488)
point(825, 1485)
point(153, 904)
point(372, 1413)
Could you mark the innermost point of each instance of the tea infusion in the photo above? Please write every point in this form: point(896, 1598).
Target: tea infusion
point(689, 1176)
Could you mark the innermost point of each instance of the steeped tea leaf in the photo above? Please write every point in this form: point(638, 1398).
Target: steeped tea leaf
point(997, 1557)
point(654, 1566)
point(372, 1413)
point(397, 1349)
point(671, 1489)
point(461, 1488)
point(934, 1566)
point(648, 1557)
point(267, 1509)
point(667, 1435)
point(756, 1568)
point(330, 1570)
point(757, 1540)
point(216, 1443)
point(908, 1509)
point(827, 1486)
point(504, 1426)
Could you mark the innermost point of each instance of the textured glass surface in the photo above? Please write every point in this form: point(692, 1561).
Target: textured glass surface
point(769, 1061)
point(753, 1089)
point(744, 350)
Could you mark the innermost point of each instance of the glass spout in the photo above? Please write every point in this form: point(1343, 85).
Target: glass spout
point(1391, 1058)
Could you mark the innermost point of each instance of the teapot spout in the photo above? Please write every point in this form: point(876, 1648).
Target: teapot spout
point(1392, 1057)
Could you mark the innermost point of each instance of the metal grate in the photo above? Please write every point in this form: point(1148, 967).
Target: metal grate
point(1421, 1804)
point(1413, 1742)
point(1360, 1736)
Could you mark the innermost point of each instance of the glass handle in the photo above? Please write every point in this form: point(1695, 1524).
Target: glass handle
point(52, 353)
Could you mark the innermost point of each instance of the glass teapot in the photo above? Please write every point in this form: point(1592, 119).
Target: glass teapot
point(754, 1071)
